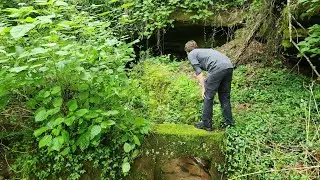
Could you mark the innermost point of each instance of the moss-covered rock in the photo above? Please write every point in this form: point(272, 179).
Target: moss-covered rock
point(228, 18)
point(172, 141)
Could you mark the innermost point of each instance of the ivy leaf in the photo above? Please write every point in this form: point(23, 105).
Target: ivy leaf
point(127, 147)
point(57, 102)
point(125, 167)
point(41, 115)
point(83, 87)
point(95, 131)
point(82, 112)
point(56, 90)
point(72, 105)
point(45, 141)
point(108, 123)
point(136, 140)
point(21, 30)
point(39, 131)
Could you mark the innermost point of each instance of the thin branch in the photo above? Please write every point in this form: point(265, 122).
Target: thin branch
point(309, 61)
point(295, 44)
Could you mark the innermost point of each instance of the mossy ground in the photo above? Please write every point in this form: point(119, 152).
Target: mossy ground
point(169, 141)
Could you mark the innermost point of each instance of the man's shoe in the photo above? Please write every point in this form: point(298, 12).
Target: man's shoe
point(200, 125)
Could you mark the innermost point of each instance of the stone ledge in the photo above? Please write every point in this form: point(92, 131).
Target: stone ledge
point(170, 142)
point(229, 18)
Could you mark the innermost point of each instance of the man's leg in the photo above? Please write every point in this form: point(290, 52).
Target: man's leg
point(224, 98)
point(211, 87)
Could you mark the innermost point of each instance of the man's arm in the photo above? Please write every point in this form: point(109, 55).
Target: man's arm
point(201, 78)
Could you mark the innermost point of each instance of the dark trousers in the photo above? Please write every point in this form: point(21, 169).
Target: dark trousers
point(218, 82)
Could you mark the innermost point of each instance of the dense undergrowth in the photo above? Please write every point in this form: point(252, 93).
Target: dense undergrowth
point(276, 113)
point(67, 103)
point(63, 77)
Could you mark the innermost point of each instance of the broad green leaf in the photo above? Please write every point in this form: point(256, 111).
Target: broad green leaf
point(18, 69)
point(135, 153)
point(45, 141)
point(56, 131)
point(3, 91)
point(95, 131)
point(56, 90)
point(65, 135)
point(124, 6)
point(82, 112)
point(91, 115)
point(57, 102)
point(125, 167)
point(66, 151)
point(83, 141)
point(2, 29)
point(57, 143)
point(139, 121)
point(41, 115)
point(86, 76)
point(108, 123)
point(53, 111)
point(84, 95)
point(110, 113)
point(61, 3)
point(69, 121)
point(127, 147)
point(58, 121)
point(21, 30)
point(39, 131)
point(45, 19)
point(46, 94)
point(40, 50)
point(136, 140)
point(83, 87)
point(72, 105)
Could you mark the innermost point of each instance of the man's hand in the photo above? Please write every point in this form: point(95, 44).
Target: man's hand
point(200, 77)
point(203, 94)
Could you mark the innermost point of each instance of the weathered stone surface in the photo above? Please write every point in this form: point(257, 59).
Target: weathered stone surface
point(232, 17)
point(171, 148)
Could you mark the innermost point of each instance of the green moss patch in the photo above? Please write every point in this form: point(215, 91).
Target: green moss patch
point(170, 141)
point(184, 130)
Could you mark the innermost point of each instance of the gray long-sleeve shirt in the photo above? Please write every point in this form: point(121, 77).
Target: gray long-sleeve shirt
point(208, 60)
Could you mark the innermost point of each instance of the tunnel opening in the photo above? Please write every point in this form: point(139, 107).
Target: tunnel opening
point(172, 41)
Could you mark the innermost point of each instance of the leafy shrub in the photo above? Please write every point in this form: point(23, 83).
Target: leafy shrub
point(174, 97)
point(68, 69)
point(270, 110)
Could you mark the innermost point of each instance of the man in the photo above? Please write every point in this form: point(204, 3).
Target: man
point(219, 79)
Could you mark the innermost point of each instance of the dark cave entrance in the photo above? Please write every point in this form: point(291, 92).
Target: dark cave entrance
point(172, 41)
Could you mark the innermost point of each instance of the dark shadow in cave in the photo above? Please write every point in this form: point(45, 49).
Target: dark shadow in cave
point(172, 41)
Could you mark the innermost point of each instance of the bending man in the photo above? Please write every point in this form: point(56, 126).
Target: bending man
point(219, 79)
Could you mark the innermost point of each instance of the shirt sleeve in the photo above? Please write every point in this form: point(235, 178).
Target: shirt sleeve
point(194, 62)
